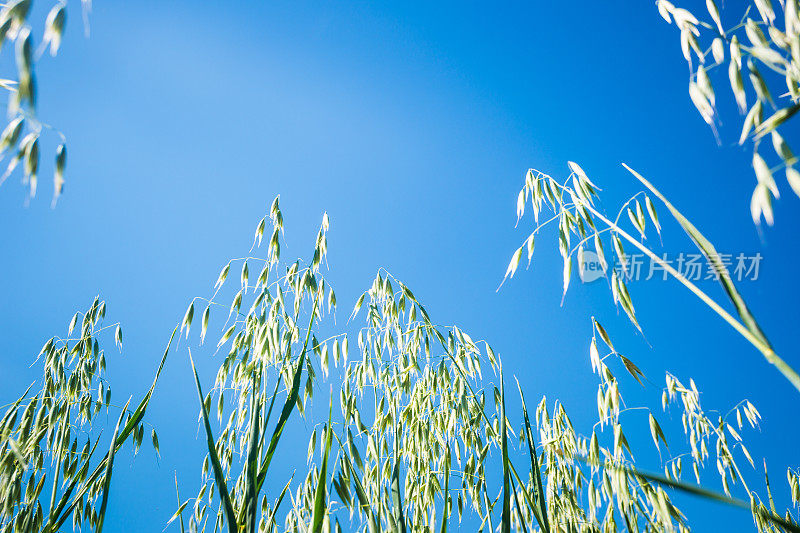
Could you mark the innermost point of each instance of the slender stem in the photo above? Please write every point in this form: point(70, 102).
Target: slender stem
point(763, 347)
point(705, 493)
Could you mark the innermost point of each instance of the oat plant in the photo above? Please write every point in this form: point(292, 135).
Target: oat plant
point(58, 440)
point(422, 439)
point(20, 140)
point(760, 50)
point(266, 374)
point(582, 225)
point(573, 206)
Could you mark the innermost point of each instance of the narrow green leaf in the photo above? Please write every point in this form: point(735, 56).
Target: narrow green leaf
point(101, 516)
point(506, 519)
point(219, 473)
point(518, 506)
point(704, 245)
point(538, 505)
point(364, 502)
point(708, 494)
point(179, 514)
point(288, 406)
point(397, 502)
point(446, 494)
point(181, 506)
point(250, 506)
point(320, 505)
point(271, 519)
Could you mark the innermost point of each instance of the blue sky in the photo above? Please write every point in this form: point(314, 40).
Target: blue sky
point(412, 124)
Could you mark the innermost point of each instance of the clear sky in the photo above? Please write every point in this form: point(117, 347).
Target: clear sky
point(412, 124)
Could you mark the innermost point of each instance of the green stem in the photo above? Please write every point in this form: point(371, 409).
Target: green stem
point(763, 347)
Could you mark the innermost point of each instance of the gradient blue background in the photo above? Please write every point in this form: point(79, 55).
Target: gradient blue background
point(412, 124)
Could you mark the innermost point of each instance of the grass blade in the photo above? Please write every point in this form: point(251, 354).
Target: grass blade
point(697, 490)
point(505, 526)
point(181, 506)
point(539, 504)
point(397, 503)
point(250, 506)
point(518, 507)
point(288, 406)
point(363, 501)
point(271, 519)
point(219, 474)
point(705, 246)
point(54, 525)
point(101, 516)
point(757, 336)
point(320, 506)
point(445, 508)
